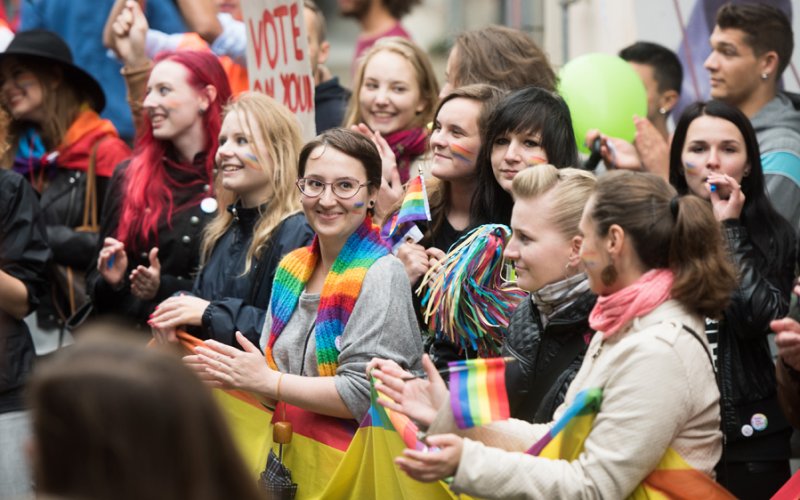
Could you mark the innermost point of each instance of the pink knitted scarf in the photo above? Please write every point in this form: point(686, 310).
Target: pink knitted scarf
point(612, 312)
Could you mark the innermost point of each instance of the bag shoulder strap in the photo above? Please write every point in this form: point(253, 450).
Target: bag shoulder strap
point(90, 199)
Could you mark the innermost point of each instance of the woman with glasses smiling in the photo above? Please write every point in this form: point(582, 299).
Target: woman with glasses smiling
point(335, 304)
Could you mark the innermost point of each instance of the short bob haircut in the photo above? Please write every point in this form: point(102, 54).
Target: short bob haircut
point(354, 145)
point(528, 110)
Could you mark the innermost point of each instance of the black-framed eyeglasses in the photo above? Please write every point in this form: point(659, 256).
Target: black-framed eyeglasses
point(342, 188)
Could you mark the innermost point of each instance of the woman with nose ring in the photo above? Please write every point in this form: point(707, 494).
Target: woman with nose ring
point(714, 155)
point(161, 200)
point(256, 162)
point(335, 304)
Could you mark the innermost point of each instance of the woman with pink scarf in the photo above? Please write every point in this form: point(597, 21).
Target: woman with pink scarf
point(658, 265)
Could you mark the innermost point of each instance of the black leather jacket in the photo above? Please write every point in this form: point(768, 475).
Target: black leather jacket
point(23, 255)
point(537, 352)
point(178, 252)
point(744, 362)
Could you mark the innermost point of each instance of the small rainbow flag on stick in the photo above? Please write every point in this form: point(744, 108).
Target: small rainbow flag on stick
point(415, 207)
point(478, 391)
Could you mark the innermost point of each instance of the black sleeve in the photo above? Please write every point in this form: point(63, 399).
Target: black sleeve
point(104, 297)
point(761, 296)
point(222, 318)
point(24, 253)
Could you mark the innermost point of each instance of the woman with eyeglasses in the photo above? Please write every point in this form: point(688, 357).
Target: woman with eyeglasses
point(335, 304)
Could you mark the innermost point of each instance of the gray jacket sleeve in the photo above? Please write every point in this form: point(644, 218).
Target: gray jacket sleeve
point(383, 324)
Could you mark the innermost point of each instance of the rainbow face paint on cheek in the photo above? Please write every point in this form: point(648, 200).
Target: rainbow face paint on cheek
point(462, 153)
point(535, 160)
point(690, 168)
point(590, 258)
point(250, 160)
point(359, 204)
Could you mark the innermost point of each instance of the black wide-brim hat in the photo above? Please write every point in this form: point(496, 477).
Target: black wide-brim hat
point(49, 47)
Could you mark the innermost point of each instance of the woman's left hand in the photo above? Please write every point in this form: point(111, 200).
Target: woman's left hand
point(231, 368)
point(438, 462)
point(727, 199)
point(178, 311)
point(146, 280)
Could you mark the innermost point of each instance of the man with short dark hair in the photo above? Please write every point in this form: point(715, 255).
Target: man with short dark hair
point(751, 46)
point(662, 75)
point(377, 19)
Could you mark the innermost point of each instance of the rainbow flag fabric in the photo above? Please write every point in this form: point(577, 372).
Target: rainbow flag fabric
point(415, 207)
point(478, 391)
point(672, 477)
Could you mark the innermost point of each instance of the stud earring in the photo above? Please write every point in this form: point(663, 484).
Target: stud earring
point(662, 111)
point(764, 76)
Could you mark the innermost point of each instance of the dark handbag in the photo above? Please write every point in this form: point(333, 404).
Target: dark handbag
point(69, 284)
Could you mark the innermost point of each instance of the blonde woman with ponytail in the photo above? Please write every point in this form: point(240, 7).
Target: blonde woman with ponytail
point(256, 162)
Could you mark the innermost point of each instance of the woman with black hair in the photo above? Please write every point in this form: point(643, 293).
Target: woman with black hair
point(529, 127)
point(715, 156)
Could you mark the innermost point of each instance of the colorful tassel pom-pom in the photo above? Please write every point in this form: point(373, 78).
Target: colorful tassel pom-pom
point(466, 299)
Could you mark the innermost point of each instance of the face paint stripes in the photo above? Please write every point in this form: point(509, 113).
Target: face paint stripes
point(250, 160)
point(462, 153)
point(690, 168)
point(535, 160)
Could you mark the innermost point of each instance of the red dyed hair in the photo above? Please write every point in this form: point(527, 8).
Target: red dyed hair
point(146, 184)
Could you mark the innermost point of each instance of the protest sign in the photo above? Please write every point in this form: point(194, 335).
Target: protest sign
point(277, 56)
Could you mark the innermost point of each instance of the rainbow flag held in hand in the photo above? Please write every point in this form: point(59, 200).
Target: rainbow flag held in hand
point(673, 477)
point(478, 391)
point(415, 207)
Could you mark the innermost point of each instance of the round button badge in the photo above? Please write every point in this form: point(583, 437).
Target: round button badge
point(208, 205)
point(747, 431)
point(759, 421)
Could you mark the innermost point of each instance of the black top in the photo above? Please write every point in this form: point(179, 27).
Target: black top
point(547, 358)
point(178, 251)
point(239, 301)
point(24, 254)
point(330, 102)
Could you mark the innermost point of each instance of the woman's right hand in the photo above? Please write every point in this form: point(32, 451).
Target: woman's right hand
point(113, 253)
point(418, 398)
point(415, 259)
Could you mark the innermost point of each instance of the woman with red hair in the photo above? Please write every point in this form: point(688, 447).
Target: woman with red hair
point(162, 198)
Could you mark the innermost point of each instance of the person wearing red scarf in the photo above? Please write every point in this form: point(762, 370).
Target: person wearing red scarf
point(394, 94)
point(55, 135)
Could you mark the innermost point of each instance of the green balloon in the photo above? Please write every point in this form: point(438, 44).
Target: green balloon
point(603, 92)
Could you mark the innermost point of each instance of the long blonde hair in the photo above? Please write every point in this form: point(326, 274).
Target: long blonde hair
point(425, 79)
point(279, 132)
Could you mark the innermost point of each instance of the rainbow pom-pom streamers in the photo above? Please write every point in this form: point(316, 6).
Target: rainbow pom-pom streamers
point(478, 391)
point(466, 299)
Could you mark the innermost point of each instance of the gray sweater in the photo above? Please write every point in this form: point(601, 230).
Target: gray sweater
point(382, 325)
point(777, 127)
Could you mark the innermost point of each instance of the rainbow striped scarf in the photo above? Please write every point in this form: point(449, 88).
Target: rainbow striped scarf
point(339, 292)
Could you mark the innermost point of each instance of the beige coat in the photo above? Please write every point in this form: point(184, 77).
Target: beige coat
point(659, 391)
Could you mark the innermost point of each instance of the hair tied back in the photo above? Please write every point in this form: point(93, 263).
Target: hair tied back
point(674, 206)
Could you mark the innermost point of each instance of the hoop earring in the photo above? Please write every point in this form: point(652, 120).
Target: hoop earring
point(609, 275)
